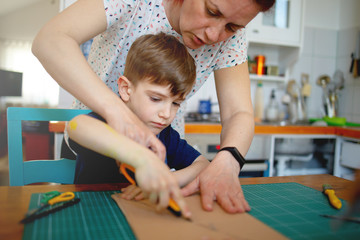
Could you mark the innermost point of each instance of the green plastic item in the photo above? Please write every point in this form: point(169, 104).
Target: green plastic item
point(335, 121)
point(352, 124)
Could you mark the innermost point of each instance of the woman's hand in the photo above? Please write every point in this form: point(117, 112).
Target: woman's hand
point(219, 182)
point(124, 121)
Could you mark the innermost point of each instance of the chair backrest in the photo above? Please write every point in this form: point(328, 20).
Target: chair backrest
point(25, 172)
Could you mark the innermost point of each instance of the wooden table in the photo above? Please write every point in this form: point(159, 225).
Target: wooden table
point(14, 201)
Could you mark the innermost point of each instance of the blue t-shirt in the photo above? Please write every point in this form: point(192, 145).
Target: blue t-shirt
point(92, 167)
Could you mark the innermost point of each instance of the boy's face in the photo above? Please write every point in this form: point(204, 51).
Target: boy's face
point(153, 104)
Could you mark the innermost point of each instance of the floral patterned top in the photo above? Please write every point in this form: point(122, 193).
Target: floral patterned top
point(129, 19)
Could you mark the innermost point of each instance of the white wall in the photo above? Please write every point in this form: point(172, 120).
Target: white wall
point(323, 14)
point(17, 31)
point(23, 24)
point(348, 37)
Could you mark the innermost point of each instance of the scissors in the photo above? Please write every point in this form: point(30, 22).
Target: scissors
point(173, 206)
point(49, 195)
point(51, 198)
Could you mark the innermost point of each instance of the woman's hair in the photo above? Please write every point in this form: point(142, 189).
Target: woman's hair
point(263, 4)
point(163, 60)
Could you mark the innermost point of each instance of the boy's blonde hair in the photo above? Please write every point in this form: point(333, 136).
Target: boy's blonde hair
point(163, 60)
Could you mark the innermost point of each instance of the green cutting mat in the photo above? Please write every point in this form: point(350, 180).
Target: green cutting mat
point(294, 210)
point(96, 216)
point(290, 208)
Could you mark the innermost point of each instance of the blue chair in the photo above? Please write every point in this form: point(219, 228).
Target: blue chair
point(25, 172)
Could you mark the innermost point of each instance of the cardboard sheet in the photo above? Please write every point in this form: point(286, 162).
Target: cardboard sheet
point(147, 223)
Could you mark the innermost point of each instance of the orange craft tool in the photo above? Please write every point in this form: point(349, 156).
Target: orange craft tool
point(333, 199)
point(173, 206)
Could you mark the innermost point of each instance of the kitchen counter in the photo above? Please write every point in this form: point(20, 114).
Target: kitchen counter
point(345, 141)
point(210, 128)
point(206, 128)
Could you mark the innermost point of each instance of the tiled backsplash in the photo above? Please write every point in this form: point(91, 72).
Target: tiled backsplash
point(350, 97)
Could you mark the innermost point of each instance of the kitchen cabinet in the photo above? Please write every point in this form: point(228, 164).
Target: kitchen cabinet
point(281, 25)
point(278, 35)
point(209, 144)
point(347, 160)
point(329, 142)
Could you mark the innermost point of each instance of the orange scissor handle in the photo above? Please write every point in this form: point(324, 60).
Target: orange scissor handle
point(173, 206)
point(66, 196)
point(123, 168)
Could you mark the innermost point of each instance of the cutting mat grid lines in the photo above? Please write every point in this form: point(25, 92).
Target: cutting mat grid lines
point(294, 210)
point(97, 216)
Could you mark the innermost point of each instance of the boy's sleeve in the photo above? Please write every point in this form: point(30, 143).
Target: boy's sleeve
point(178, 152)
point(92, 167)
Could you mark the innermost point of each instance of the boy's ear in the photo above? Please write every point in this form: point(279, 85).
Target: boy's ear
point(124, 88)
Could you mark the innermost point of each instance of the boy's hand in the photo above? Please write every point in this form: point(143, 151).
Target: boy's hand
point(159, 184)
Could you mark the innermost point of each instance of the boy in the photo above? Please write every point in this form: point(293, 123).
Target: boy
point(159, 73)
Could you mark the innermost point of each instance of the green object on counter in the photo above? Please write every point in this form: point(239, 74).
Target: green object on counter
point(335, 121)
point(352, 124)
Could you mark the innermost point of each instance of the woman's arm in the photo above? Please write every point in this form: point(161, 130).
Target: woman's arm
point(57, 48)
point(236, 111)
point(220, 180)
point(152, 175)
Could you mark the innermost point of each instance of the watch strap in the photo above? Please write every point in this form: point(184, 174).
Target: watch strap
point(236, 154)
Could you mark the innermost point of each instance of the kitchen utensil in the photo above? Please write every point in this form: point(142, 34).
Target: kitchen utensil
point(297, 109)
point(272, 110)
point(355, 60)
point(46, 212)
point(306, 87)
point(290, 88)
point(339, 80)
point(52, 199)
point(329, 97)
point(342, 218)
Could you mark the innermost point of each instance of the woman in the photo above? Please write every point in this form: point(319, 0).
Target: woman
point(213, 31)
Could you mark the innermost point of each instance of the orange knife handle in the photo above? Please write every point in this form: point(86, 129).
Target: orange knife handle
point(333, 199)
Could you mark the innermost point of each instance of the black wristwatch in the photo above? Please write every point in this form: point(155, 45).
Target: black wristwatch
point(237, 155)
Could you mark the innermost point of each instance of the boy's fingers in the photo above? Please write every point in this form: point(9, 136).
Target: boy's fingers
point(163, 200)
point(153, 197)
point(179, 199)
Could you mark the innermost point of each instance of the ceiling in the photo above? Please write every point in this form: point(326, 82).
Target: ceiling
point(8, 6)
